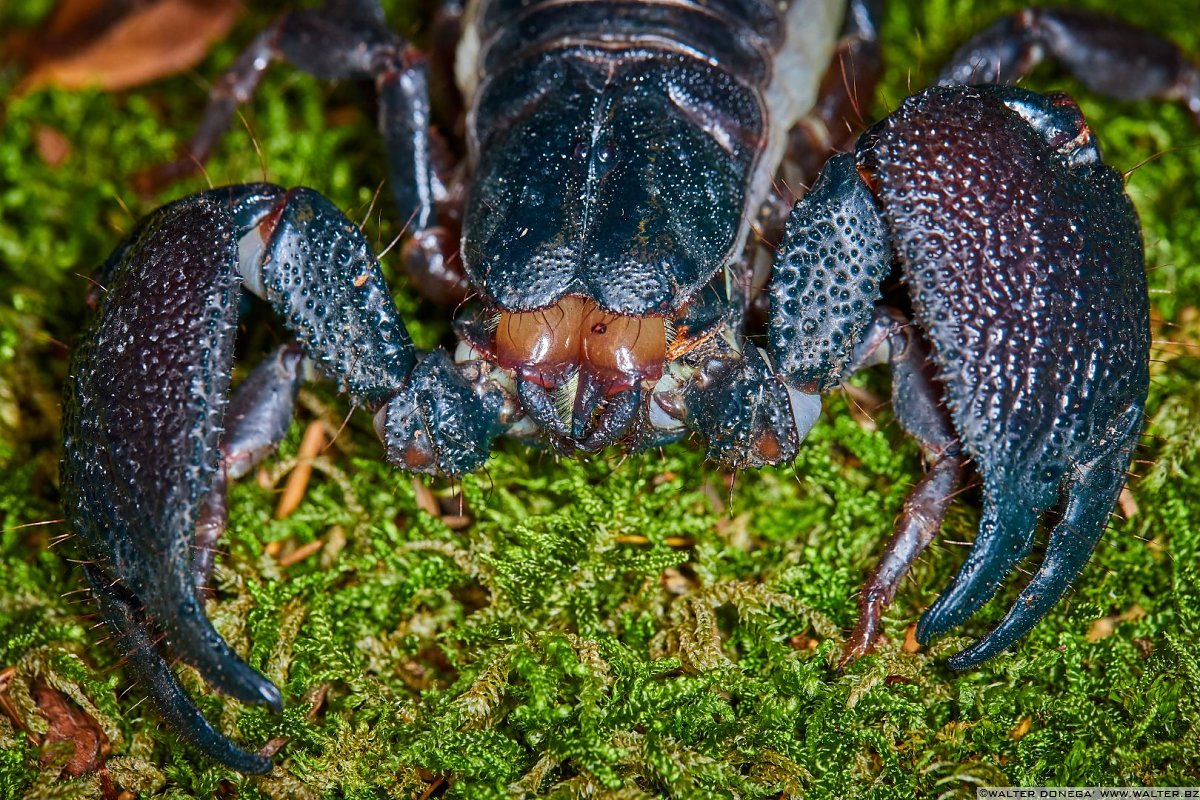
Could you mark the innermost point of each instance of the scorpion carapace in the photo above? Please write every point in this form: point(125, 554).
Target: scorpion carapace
point(620, 155)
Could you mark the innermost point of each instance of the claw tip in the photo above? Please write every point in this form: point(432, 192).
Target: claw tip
point(272, 697)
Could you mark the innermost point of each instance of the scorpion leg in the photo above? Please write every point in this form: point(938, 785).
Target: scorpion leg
point(824, 326)
point(916, 402)
point(745, 411)
point(754, 408)
point(349, 39)
point(256, 421)
point(839, 116)
point(1109, 56)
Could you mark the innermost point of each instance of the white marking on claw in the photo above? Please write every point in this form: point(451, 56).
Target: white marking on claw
point(806, 409)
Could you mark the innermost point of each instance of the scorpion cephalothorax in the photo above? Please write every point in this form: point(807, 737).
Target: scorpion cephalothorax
point(619, 156)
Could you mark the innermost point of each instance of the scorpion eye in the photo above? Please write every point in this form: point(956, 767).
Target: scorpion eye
point(543, 342)
point(625, 348)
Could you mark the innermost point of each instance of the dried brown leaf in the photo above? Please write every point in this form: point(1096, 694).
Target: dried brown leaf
point(72, 731)
point(150, 41)
point(52, 146)
point(1106, 626)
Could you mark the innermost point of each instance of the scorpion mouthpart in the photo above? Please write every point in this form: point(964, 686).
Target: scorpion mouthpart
point(613, 420)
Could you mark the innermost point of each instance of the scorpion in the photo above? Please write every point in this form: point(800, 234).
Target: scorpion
point(624, 158)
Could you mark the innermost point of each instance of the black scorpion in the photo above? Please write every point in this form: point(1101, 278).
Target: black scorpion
point(623, 159)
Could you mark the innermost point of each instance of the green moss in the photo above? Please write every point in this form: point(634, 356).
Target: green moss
point(620, 627)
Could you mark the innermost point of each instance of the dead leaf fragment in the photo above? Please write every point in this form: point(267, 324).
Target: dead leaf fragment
point(297, 484)
point(52, 146)
point(300, 553)
point(6, 703)
point(675, 582)
point(1127, 503)
point(1106, 626)
point(425, 499)
point(72, 731)
point(1023, 727)
point(151, 41)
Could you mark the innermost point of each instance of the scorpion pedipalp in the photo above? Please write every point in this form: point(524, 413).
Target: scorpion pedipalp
point(1026, 274)
point(134, 471)
point(621, 166)
point(150, 438)
point(1090, 490)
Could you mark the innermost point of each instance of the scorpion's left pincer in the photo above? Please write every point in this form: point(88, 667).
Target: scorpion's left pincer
point(150, 438)
point(136, 468)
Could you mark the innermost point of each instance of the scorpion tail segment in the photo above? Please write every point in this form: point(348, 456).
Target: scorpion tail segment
point(826, 280)
point(151, 670)
point(1109, 56)
point(1091, 492)
point(439, 422)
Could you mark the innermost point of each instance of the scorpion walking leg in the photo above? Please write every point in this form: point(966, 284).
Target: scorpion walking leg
point(1109, 56)
point(839, 116)
point(255, 422)
point(832, 126)
point(916, 401)
point(349, 39)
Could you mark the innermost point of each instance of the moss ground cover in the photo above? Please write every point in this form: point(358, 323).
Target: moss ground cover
point(621, 627)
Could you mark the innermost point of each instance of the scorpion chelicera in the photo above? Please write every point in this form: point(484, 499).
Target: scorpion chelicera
point(624, 159)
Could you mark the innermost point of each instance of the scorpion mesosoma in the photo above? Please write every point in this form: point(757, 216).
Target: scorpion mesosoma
point(620, 155)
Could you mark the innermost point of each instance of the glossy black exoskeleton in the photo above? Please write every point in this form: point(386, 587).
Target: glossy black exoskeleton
point(621, 159)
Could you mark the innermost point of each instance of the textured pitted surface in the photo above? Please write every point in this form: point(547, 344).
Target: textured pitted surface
point(743, 408)
point(438, 424)
point(322, 277)
point(826, 277)
point(1027, 275)
point(622, 178)
point(134, 465)
point(738, 34)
